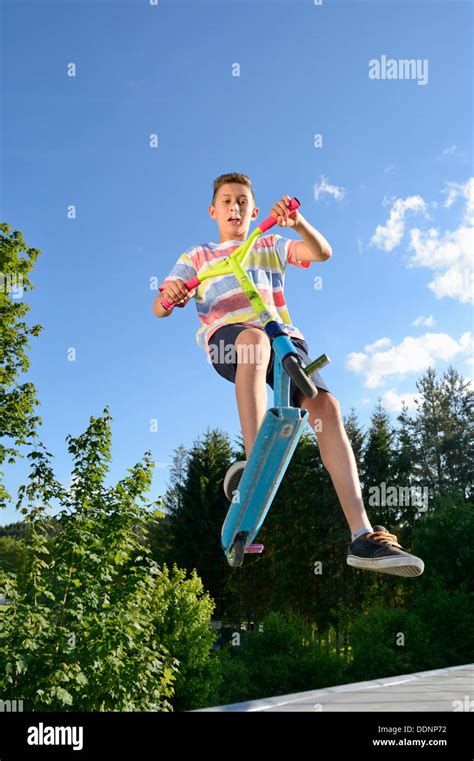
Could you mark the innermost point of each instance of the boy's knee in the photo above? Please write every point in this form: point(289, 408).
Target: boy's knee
point(324, 406)
point(328, 404)
point(254, 336)
point(253, 348)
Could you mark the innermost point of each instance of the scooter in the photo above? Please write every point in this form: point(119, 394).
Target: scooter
point(282, 425)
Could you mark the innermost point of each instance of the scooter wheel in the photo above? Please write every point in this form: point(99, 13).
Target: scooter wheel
point(236, 555)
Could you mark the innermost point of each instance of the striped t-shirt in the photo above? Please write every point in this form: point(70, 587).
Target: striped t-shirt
point(221, 301)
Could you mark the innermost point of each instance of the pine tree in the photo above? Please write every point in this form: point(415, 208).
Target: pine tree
point(442, 432)
point(378, 470)
point(197, 506)
point(458, 444)
point(355, 435)
point(429, 430)
point(406, 472)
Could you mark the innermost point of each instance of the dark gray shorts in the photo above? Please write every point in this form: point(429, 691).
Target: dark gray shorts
point(228, 333)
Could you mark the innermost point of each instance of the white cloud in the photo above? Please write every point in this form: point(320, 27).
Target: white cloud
point(427, 322)
point(392, 400)
point(455, 190)
point(412, 355)
point(381, 343)
point(449, 253)
point(388, 236)
point(324, 187)
point(467, 342)
point(451, 149)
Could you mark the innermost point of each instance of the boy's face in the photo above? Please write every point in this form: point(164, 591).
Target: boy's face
point(233, 202)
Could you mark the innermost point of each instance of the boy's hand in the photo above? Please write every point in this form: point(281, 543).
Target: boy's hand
point(177, 293)
point(280, 211)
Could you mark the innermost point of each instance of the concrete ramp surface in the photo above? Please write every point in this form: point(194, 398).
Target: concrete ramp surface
point(450, 689)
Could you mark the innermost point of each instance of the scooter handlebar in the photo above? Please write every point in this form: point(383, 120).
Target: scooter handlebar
point(271, 220)
point(263, 227)
point(193, 282)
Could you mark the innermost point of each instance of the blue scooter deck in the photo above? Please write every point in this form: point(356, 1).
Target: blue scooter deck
point(271, 454)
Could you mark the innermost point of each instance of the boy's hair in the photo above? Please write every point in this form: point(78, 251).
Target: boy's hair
point(223, 179)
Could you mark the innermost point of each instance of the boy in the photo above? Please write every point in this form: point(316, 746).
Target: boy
point(240, 350)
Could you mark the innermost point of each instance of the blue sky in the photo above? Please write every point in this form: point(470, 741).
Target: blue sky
point(390, 188)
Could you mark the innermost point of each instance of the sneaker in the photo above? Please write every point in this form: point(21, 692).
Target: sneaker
point(232, 478)
point(378, 550)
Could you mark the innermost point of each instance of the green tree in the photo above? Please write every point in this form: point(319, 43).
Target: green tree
point(406, 471)
point(388, 641)
point(13, 555)
point(447, 618)
point(458, 440)
point(18, 422)
point(182, 612)
point(378, 469)
point(279, 659)
point(442, 539)
point(355, 435)
point(161, 538)
point(82, 631)
point(442, 431)
point(196, 507)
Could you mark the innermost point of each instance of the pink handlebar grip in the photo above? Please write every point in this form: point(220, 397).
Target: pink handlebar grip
point(270, 221)
point(193, 282)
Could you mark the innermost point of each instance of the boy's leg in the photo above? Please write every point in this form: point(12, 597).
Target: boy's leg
point(253, 355)
point(337, 455)
point(371, 549)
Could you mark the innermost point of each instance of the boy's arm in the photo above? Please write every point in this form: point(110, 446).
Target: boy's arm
point(173, 288)
point(176, 292)
point(314, 247)
point(158, 310)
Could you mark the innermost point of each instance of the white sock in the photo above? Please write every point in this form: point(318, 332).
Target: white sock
point(361, 531)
